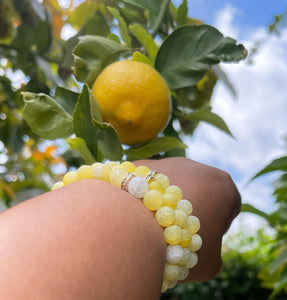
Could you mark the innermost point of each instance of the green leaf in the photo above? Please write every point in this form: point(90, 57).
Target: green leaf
point(279, 261)
point(181, 16)
point(206, 115)
point(152, 6)
point(46, 117)
point(114, 38)
point(92, 55)
point(245, 207)
point(80, 146)
point(97, 135)
point(191, 50)
point(279, 164)
point(122, 25)
point(145, 39)
point(155, 146)
point(67, 99)
point(83, 126)
point(138, 56)
point(108, 141)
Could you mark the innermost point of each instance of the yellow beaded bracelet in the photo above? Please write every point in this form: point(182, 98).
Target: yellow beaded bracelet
point(172, 212)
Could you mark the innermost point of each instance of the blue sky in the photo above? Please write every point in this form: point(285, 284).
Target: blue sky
point(251, 12)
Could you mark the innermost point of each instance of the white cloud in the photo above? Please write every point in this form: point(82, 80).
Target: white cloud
point(257, 118)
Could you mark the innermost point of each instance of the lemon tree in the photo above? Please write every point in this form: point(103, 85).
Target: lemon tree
point(152, 67)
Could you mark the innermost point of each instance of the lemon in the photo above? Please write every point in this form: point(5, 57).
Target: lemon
point(135, 99)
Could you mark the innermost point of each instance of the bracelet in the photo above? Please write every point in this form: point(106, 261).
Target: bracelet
point(172, 212)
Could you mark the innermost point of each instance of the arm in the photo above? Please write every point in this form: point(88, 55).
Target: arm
point(91, 240)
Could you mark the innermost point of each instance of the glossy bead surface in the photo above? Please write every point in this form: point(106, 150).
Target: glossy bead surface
point(128, 166)
point(196, 243)
point(164, 216)
point(183, 273)
point(138, 187)
point(141, 171)
point(154, 185)
point(175, 190)
point(116, 176)
point(174, 254)
point(192, 224)
point(173, 234)
point(57, 185)
point(179, 218)
point(186, 238)
point(70, 177)
point(171, 272)
point(192, 261)
point(152, 200)
point(184, 205)
point(169, 199)
point(85, 172)
point(162, 179)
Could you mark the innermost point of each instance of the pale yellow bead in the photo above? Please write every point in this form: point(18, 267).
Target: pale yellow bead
point(70, 177)
point(85, 172)
point(163, 179)
point(154, 185)
point(57, 185)
point(196, 243)
point(116, 176)
point(141, 171)
point(186, 238)
point(192, 224)
point(175, 190)
point(164, 216)
point(127, 165)
point(112, 164)
point(183, 273)
point(186, 257)
point(152, 200)
point(169, 199)
point(172, 284)
point(101, 172)
point(184, 205)
point(165, 285)
point(179, 217)
point(171, 272)
point(192, 261)
point(173, 234)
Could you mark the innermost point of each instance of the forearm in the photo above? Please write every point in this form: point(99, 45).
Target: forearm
point(89, 240)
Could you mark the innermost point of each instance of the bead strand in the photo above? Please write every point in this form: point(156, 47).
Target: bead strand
point(172, 212)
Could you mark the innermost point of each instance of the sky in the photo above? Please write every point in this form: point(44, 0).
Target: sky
point(257, 117)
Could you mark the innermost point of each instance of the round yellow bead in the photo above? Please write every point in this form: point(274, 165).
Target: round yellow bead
point(163, 179)
point(184, 205)
point(186, 257)
point(57, 185)
point(183, 273)
point(192, 261)
point(101, 172)
point(164, 216)
point(155, 185)
point(186, 238)
point(112, 164)
point(171, 272)
point(192, 224)
point(128, 166)
point(173, 234)
point(152, 200)
point(165, 285)
point(116, 176)
point(175, 190)
point(141, 171)
point(196, 243)
point(169, 199)
point(179, 218)
point(85, 172)
point(70, 177)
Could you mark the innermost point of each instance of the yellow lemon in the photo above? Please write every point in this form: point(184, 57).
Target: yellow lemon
point(135, 99)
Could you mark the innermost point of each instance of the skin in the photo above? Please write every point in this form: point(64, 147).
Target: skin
point(91, 240)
